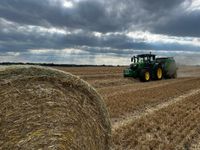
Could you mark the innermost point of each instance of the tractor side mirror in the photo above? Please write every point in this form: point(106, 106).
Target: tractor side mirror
point(131, 59)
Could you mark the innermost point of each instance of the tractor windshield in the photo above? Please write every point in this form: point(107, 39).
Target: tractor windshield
point(142, 58)
point(138, 59)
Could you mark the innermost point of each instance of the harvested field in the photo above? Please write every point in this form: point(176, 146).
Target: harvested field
point(134, 101)
point(92, 70)
point(172, 127)
point(155, 115)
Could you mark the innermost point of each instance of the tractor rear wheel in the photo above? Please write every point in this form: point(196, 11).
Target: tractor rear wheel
point(145, 75)
point(159, 73)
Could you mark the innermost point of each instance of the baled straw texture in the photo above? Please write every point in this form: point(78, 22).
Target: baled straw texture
point(49, 109)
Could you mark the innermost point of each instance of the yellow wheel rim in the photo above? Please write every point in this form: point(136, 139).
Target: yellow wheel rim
point(147, 76)
point(159, 73)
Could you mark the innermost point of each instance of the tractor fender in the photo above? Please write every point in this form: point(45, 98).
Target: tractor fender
point(156, 65)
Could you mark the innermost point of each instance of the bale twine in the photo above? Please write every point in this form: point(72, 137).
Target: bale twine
point(44, 108)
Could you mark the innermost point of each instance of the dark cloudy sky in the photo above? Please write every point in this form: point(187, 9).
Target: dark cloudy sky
point(98, 31)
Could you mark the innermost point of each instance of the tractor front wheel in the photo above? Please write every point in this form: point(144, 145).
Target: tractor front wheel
point(145, 75)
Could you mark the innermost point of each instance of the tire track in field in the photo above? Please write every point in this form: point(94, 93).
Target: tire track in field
point(172, 127)
point(103, 83)
point(102, 76)
point(127, 88)
point(121, 104)
point(131, 117)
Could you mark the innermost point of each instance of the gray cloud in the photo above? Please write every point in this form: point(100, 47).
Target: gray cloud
point(24, 25)
point(88, 15)
point(14, 37)
point(186, 24)
point(102, 16)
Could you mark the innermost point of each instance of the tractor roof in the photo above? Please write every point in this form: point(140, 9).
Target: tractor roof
point(164, 58)
point(146, 55)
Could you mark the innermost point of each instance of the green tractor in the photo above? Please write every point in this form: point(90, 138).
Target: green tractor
point(147, 67)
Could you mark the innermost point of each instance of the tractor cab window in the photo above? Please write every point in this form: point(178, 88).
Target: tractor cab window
point(146, 58)
point(152, 58)
point(143, 59)
point(140, 59)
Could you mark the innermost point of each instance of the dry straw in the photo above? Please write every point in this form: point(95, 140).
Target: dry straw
point(44, 108)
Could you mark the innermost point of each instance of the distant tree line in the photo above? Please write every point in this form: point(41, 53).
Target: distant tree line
point(58, 65)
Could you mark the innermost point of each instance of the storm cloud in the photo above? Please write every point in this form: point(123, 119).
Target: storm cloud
point(102, 16)
point(95, 28)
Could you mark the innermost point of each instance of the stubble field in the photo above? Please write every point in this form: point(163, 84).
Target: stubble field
point(155, 115)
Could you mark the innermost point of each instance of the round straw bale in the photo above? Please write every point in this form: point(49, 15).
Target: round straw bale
point(42, 108)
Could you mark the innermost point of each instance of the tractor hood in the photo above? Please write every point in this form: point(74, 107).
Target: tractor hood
point(131, 70)
point(134, 66)
point(129, 73)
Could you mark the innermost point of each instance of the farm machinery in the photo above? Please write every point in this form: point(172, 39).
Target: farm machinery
point(147, 67)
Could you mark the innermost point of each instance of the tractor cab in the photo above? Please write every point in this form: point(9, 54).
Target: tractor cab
point(143, 58)
point(142, 61)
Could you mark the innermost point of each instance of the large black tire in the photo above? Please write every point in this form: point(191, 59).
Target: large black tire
point(145, 75)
